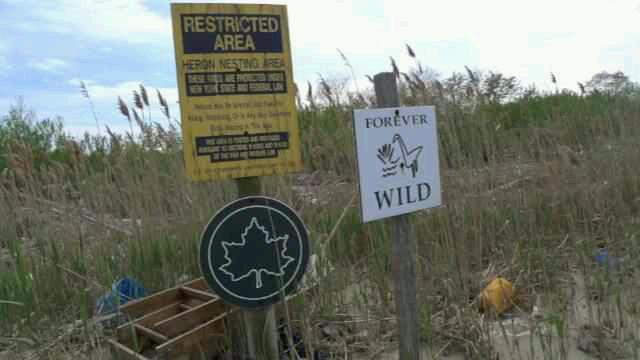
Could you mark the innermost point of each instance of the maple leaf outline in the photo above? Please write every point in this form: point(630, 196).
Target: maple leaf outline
point(283, 257)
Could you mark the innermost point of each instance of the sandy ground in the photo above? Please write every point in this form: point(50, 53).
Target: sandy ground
point(513, 338)
point(518, 338)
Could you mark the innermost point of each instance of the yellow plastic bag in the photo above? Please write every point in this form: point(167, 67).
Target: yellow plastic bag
point(497, 296)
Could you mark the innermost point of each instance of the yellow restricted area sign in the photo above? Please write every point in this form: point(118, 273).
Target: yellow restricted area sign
point(235, 82)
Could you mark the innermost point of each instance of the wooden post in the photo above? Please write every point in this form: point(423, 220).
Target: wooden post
point(257, 336)
point(402, 254)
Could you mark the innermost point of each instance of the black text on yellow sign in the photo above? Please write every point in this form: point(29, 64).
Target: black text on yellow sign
point(236, 90)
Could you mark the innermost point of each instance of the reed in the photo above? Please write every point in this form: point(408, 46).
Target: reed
point(533, 183)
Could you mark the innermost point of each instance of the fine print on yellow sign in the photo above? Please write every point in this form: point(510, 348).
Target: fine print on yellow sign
point(237, 97)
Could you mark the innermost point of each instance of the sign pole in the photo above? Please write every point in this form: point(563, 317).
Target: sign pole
point(239, 120)
point(402, 254)
point(260, 338)
point(261, 333)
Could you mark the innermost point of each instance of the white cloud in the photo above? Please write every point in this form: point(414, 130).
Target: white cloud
point(572, 38)
point(50, 65)
point(77, 113)
point(125, 90)
point(336, 24)
point(78, 131)
point(527, 39)
point(105, 97)
point(119, 20)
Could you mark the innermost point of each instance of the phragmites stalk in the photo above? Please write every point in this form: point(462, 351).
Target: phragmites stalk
point(115, 141)
point(163, 104)
point(440, 88)
point(469, 91)
point(124, 109)
point(394, 66)
point(412, 54)
point(344, 58)
point(582, 89)
point(325, 86)
point(413, 85)
point(309, 92)
point(138, 119)
point(410, 51)
point(144, 95)
point(326, 89)
point(111, 133)
point(137, 100)
point(83, 89)
point(418, 81)
point(407, 78)
point(310, 99)
point(472, 76)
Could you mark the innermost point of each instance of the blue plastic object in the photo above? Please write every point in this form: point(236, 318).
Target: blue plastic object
point(122, 291)
point(603, 258)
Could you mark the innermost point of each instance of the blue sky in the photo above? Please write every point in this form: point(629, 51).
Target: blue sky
point(47, 47)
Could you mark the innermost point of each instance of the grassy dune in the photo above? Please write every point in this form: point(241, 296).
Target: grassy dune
point(532, 184)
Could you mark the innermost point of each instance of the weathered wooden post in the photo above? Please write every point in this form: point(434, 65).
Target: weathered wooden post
point(402, 248)
point(260, 338)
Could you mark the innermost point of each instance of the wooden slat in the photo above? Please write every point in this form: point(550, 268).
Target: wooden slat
point(198, 294)
point(151, 334)
point(192, 302)
point(199, 284)
point(124, 331)
point(123, 352)
point(152, 303)
point(138, 307)
point(189, 319)
point(158, 300)
point(211, 328)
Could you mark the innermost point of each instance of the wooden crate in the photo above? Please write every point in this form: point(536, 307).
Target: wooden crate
point(182, 322)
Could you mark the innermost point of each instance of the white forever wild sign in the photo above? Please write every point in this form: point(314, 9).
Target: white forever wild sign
point(397, 150)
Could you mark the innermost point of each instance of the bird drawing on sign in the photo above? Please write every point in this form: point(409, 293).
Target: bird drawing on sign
point(409, 157)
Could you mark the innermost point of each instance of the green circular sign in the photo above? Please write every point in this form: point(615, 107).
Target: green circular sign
point(254, 250)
